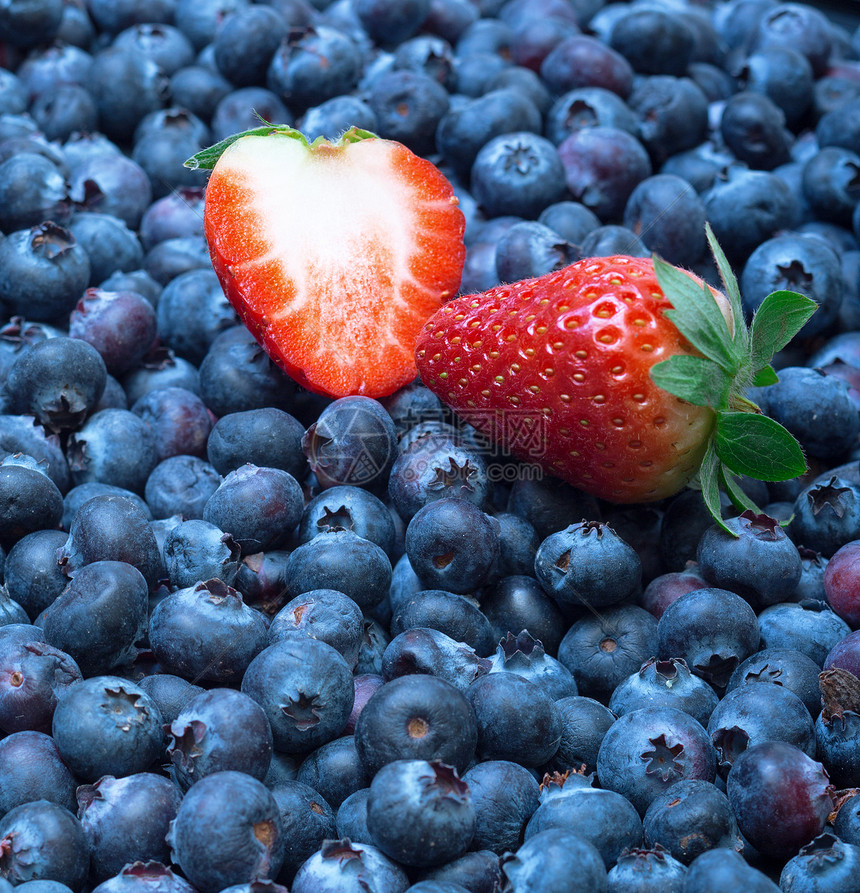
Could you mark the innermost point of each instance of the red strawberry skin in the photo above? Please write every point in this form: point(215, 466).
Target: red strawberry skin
point(334, 255)
point(556, 370)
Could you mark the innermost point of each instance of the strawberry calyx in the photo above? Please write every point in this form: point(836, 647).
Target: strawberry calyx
point(743, 440)
point(208, 158)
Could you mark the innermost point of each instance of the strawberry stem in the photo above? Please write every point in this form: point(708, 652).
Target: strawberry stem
point(744, 440)
point(208, 158)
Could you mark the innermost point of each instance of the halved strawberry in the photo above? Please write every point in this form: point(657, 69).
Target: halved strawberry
point(624, 376)
point(334, 254)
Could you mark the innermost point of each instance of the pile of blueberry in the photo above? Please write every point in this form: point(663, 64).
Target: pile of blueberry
point(259, 640)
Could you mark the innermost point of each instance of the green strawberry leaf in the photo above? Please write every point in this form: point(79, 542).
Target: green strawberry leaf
point(697, 316)
point(758, 446)
point(709, 479)
point(765, 377)
point(780, 317)
point(697, 380)
point(739, 499)
point(732, 290)
point(208, 158)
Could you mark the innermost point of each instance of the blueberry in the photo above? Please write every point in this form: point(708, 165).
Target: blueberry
point(59, 381)
point(170, 693)
point(420, 813)
point(125, 820)
point(517, 173)
point(308, 821)
point(227, 809)
point(342, 560)
point(798, 25)
point(333, 116)
point(137, 877)
point(602, 166)
point(33, 770)
point(305, 687)
point(784, 75)
point(348, 508)
point(605, 649)
point(352, 442)
point(730, 201)
point(206, 632)
point(585, 61)
point(690, 818)
point(465, 129)
point(334, 770)
point(666, 683)
point(262, 580)
point(323, 614)
point(448, 613)
point(408, 106)
point(517, 719)
point(647, 750)
point(259, 507)
point(587, 564)
point(653, 41)
point(313, 64)
point(668, 215)
point(759, 562)
point(726, 868)
point(584, 723)
point(33, 677)
point(266, 437)
point(556, 859)
point(525, 656)
point(425, 650)
point(642, 870)
point(847, 822)
point(785, 667)
point(106, 725)
point(777, 775)
point(391, 23)
point(43, 840)
point(810, 627)
point(238, 111)
point(505, 796)
point(754, 713)
point(796, 262)
point(99, 618)
point(826, 425)
point(604, 818)
point(416, 717)
point(29, 501)
point(218, 730)
point(452, 544)
point(436, 467)
point(351, 819)
point(673, 112)
point(530, 249)
point(344, 866)
point(712, 630)
point(44, 270)
point(825, 860)
point(111, 528)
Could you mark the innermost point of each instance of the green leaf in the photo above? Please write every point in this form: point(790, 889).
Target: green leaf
point(758, 446)
point(697, 380)
point(208, 158)
point(765, 377)
point(733, 292)
point(709, 478)
point(697, 316)
point(739, 499)
point(780, 317)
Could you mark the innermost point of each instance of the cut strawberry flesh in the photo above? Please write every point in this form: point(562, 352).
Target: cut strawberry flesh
point(334, 256)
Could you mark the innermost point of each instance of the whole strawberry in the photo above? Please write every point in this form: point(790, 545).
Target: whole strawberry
point(624, 376)
point(334, 254)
